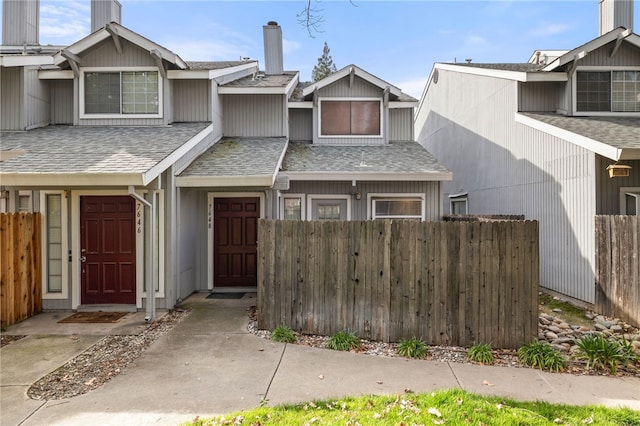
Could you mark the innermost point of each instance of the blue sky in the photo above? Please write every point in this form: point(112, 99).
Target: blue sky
point(398, 41)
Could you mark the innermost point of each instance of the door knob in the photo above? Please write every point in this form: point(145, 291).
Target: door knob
point(83, 259)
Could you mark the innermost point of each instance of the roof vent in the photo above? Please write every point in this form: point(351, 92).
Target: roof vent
point(272, 23)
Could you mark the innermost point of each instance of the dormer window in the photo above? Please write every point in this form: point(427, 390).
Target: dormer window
point(108, 93)
point(608, 91)
point(354, 117)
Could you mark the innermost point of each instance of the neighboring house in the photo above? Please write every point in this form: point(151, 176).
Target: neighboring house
point(148, 168)
point(537, 139)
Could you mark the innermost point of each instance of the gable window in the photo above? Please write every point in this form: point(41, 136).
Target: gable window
point(608, 91)
point(350, 118)
point(116, 93)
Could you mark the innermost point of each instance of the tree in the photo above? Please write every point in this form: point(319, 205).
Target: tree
point(312, 18)
point(325, 65)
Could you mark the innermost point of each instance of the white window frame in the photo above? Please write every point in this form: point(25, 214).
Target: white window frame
point(322, 99)
point(303, 210)
point(459, 198)
point(64, 217)
point(29, 195)
point(574, 91)
point(84, 115)
point(312, 197)
point(394, 196)
point(624, 190)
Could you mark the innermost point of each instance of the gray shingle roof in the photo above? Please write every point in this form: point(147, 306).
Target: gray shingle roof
point(217, 65)
point(280, 80)
point(518, 67)
point(239, 157)
point(407, 157)
point(93, 150)
point(619, 132)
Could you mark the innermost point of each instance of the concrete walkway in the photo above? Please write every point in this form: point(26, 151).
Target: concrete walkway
point(210, 364)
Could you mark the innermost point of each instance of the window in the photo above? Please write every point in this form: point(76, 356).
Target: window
point(54, 259)
point(608, 91)
point(350, 118)
point(630, 201)
point(118, 93)
point(24, 202)
point(329, 207)
point(397, 207)
point(292, 207)
point(458, 204)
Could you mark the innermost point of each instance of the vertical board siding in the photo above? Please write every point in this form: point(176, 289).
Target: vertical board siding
point(191, 100)
point(453, 283)
point(20, 266)
point(401, 124)
point(547, 179)
point(626, 54)
point(20, 23)
point(618, 267)
point(37, 99)
point(609, 188)
point(12, 99)
point(253, 116)
point(539, 97)
point(104, 54)
point(61, 101)
point(342, 89)
point(301, 124)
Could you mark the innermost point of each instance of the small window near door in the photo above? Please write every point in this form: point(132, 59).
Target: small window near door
point(292, 207)
point(631, 203)
point(54, 245)
point(459, 205)
point(25, 203)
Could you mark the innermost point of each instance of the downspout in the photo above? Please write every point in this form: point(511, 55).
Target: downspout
point(150, 273)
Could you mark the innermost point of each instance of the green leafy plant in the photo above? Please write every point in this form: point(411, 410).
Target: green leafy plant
point(542, 355)
point(481, 352)
point(412, 348)
point(284, 334)
point(599, 351)
point(628, 353)
point(343, 341)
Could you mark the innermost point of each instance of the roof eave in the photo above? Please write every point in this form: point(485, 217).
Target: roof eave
point(368, 176)
point(345, 72)
point(225, 181)
point(42, 180)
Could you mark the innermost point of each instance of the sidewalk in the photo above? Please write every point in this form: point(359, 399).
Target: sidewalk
point(210, 364)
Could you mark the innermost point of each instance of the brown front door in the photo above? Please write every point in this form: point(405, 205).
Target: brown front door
point(235, 236)
point(108, 250)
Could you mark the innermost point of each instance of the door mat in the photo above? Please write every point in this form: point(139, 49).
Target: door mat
point(94, 317)
point(225, 295)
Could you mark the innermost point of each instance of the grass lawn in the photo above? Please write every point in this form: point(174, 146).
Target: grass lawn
point(452, 407)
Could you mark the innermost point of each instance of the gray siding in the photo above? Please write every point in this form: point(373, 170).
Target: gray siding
point(61, 101)
point(301, 124)
point(254, 115)
point(401, 124)
point(191, 244)
point(539, 97)
point(192, 100)
point(20, 22)
point(467, 122)
point(359, 207)
point(12, 99)
point(609, 188)
point(104, 54)
point(37, 99)
point(627, 54)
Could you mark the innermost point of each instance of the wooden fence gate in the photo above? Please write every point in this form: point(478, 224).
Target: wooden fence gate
point(455, 283)
point(20, 266)
point(618, 267)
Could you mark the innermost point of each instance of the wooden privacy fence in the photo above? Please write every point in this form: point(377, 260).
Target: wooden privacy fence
point(455, 283)
point(618, 267)
point(20, 266)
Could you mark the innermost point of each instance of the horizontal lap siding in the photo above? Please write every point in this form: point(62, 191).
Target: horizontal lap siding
point(454, 283)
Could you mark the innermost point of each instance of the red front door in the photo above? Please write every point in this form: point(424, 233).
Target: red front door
point(235, 236)
point(108, 250)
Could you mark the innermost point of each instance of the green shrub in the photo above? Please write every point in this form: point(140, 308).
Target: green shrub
point(481, 352)
point(541, 355)
point(412, 348)
point(343, 341)
point(284, 334)
point(599, 351)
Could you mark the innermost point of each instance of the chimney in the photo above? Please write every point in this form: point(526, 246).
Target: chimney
point(20, 22)
point(104, 12)
point(272, 34)
point(614, 14)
